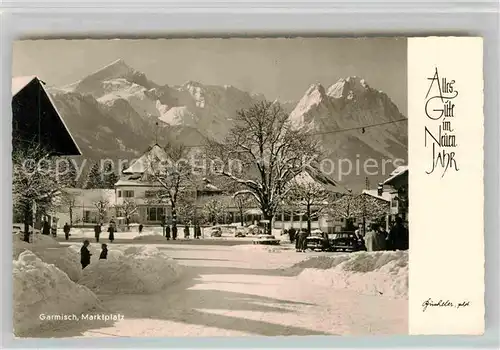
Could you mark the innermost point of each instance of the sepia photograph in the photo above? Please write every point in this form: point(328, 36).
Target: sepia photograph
point(210, 187)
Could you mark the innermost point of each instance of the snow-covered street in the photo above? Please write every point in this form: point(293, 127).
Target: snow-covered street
point(232, 290)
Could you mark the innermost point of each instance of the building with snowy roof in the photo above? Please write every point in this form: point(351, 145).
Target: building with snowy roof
point(398, 183)
point(36, 120)
point(135, 185)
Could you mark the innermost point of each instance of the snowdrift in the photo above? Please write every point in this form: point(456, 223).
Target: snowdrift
point(375, 273)
point(42, 289)
point(150, 236)
point(139, 270)
point(41, 241)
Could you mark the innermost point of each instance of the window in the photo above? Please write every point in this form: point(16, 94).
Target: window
point(296, 217)
point(128, 194)
point(151, 214)
point(119, 193)
point(150, 194)
point(286, 217)
point(155, 214)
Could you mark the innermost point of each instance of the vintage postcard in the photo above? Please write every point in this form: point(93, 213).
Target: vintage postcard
point(247, 187)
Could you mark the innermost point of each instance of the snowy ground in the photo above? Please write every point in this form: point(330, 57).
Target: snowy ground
point(229, 290)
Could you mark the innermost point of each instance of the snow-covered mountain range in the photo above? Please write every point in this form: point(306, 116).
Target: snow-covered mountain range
point(118, 112)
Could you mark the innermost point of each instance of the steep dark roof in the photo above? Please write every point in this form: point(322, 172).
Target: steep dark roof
point(35, 119)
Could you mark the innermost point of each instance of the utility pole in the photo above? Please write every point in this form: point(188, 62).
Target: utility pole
point(367, 186)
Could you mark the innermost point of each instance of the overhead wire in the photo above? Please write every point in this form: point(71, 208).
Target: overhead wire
point(363, 128)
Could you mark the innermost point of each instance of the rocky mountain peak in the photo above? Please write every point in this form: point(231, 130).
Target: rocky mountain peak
point(348, 88)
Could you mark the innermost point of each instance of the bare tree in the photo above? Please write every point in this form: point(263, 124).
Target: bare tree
point(348, 208)
point(173, 174)
point(310, 197)
point(68, 201)
point(34, 183)
point(242, 202)
point(268, 150)
point(351, 206)
point(186, 208)
point(102, 205)
point(127, 209)
point(214, 211)
point(373, 208)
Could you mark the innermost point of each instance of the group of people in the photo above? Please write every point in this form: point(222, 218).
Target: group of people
point(85, 253)
point(377, 238)
point(172, 233)
point(48, 229)
point(111, 231)
point(299, 237)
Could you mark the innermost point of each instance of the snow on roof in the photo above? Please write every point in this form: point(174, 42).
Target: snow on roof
point(400, 170)
point(386, 196)
point(139, 166)
point(304, 178)
point(18, 83)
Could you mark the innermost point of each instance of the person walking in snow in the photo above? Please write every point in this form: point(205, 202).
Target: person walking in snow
point(359, 232)
point(186, 231)
point(53, 228)
point(371, 239)
point(45, 228)
point(398, 236)
point(104, 252)
point(111, 230)
point(167, 232)
point(174, 232)
point(85, 254)
point(66, 230)
point(140, 228)
point(382, 237)
point(97, 231)
point(302, 240)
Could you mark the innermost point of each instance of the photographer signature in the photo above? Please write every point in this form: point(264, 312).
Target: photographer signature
point(443, 303)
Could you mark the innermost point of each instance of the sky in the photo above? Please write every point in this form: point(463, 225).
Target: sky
point(278, 68)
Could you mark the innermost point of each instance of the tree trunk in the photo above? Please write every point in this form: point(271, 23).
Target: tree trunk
point(308, 214)
point(174, 220)
point(241, 217)
point(71, 216)
point(28, 217)
point(269, 218)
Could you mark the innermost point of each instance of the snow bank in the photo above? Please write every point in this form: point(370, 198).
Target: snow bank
point(45, 241)
point(150, 237)
point(375, 273)
point(42, 289)
point(139, 270)
point(41, 241)
point(65, 259)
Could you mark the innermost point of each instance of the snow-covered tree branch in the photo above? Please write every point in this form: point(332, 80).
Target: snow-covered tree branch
point(269, 151)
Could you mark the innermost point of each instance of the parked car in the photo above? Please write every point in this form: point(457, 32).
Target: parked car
point(253, 230)
point(241, 232)
point(317, 243)
point(343, 241)
point(266, 239)
point(215, 232)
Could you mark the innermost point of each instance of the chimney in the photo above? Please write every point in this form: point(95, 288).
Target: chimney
point(380, 189)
